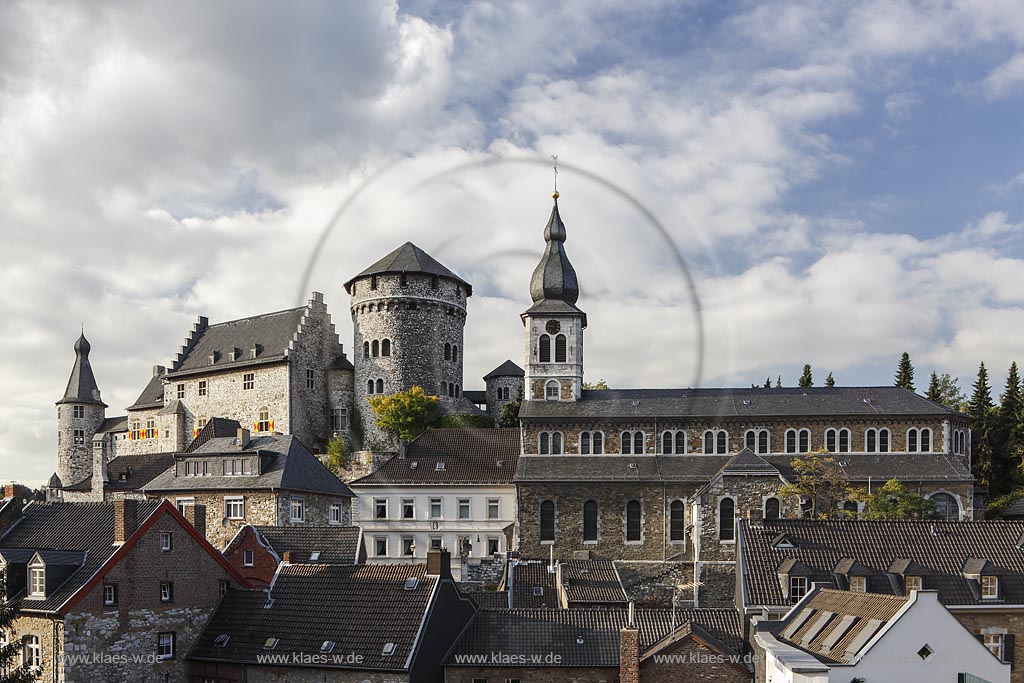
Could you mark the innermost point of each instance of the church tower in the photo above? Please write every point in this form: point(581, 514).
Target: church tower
point(79, 416)
point(554, 325)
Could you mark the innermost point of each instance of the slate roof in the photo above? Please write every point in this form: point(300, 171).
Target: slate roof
point(873, 612)
point(1014, 510)
point(758, 402)
point(554, 279)
point(360, 608)
point(138, 470)
point(476, 397)
point(341, 363)
point(592, 581)
point(470, 456)
point(941, 548)
point(529, 574)
point(81, 386)
point(409, 258)
point(288, 465)
point(506, 369)
point(215, 428)
point(336, 544)
point(272, 331)
point(489, 599)
point(81, 527)
point(113, 424)
point(152, 395)
point(542, 632)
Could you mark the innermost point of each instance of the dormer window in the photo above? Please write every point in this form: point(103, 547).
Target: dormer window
point(914, 583)
point(989, 587)
point(859, 584)
point(797, 588)
point(37, 582)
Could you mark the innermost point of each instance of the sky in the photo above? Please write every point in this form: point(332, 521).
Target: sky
point(747, 187)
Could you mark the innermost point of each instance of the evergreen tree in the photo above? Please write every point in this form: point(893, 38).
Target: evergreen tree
point(905, 373)
point(934, 394)
point(1006, 437)
point(768, 383)
point(778, 382)
point(806, 380)
point(11, 671)
point(830, 381)
point(982, 411)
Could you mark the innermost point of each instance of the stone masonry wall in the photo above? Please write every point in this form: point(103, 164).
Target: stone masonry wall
point(51, 642)
point(495, 404)
point(569, 373)
point(997, 621)
point(74, 460)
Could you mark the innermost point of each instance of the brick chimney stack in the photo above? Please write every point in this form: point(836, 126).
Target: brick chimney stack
point(756, 517)
point(629, 654)
point(126, 519)
point(196, 516)
point(288, 557)
point(439, 563)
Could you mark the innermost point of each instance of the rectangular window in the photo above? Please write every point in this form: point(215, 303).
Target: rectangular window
point(247, 558)
point(990, 587)
point(310, 379)
point(298, 510)
point(463, 508)
point(914, 583)
point(166, 541)
point(435, 542)
point(165, 646)
point(994, 643)
point(408, 508)
point(797, 588)
point(182, 503)
point(435, 508)
point(248, 381)
point(334, 514)
point(493, 508)
point(380, 508)
point(110, 594)
point(339, 420)
point(78, 411)
point(408, 547)
point(493, 545)
point(203, 387)
point(223, 585)
point(234, 508)
point(380, 546)
point(37, 582)
point(181, 392)
point(31, 653)
point(166, 591)
point(79, 436)
point(858, 584)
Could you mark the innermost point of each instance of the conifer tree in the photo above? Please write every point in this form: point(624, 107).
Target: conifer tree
point(830, 381)
point(806, 379)
point(934, 392)
point(778, 382)
point(1007, 439)
point(981, 410)
point(768, 383)
point(905, 373)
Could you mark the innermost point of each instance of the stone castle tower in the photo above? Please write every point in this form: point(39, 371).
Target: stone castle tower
point(554, 325)
point(408, 316)
point(80, 413)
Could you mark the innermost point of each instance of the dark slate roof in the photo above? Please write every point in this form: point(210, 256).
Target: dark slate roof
point(489, 599)
point(740, 403)
point(529, 574)
point(82, 527)
point(506, 369)
point(152, 395)
point(341, 363)
point(136, 470)
point(273, 332)
point(474, 396)
point(409, 258)
point(336, 544)
point(941, 548)
point(532, 632)
point(82, 383)
point(1014, 510)
point(470, 456)
point(554, 278)
point(288, 465)
point(215, 428)
point(360, 608)
point(748, 462)
point(114, 424)
point(862, 467)
point(592, 581)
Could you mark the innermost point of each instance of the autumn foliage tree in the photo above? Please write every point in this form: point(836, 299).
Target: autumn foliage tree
point(405, 414)
point(821, 480)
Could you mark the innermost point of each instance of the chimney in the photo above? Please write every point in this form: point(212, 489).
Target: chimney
point(629, 653)
point(126, 519)
point(159, 370)
point(755, 516)
point(196, 516)
point(15, 491)
point(10, 512)
point(403, 448)
point(288, 557)
point(439, 563)
point(242, 436)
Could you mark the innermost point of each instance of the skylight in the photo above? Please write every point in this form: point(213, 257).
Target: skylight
point(389, 649)
point(271, 643)
point(221, 640)
point(412, 583)
point(327, 646)
point(314, 556)
point(439, 467)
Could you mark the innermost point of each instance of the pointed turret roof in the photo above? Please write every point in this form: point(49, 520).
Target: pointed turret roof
point(506, 369)
point(409, 258)
point(554, 287)
point(82, 383)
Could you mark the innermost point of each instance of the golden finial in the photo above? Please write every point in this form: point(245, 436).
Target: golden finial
point(554, 159)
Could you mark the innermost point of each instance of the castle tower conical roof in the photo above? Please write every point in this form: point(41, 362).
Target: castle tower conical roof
point(82, 383)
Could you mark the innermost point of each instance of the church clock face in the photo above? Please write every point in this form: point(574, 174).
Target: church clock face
point(553, 327)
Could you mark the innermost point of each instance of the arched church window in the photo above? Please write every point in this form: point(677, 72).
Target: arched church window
point(544, 349)
point(560, 346)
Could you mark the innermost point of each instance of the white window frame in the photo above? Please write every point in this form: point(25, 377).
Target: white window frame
point(994, 643)
point(166, 592)
point(297, 510)
point(917, 581)
point(376, 541)
point(166, 541)
point(233, 504)
point(548, 386)
point(408, 546)
point(858, 584)
point(409, 505)
point(439, 502)
point(31, 651)
point(494, 508)
point(109, 594)
point(989, 587)
point(248, 557)
point(165, 645)
point(377, 502)
point(796, 595)
point(37, 581)
point(466, 503)
point(333, 518)
point(182, 503)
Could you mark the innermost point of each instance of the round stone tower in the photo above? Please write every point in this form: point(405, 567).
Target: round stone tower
point(80, 413)
point(408, 315)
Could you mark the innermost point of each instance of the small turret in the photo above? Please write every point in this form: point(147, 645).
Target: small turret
point(80, 413)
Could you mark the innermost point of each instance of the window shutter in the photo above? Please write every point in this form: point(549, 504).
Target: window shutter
point(156, 432)
point(1008, 648)
point(271, 425)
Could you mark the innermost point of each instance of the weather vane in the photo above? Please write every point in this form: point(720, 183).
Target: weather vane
point(554, 165)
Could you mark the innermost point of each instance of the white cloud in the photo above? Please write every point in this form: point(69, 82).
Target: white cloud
point(1006, 77)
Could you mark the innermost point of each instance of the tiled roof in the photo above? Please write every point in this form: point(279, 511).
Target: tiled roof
point(506, 369)
point(542, 632)
point(489, 599)
point(408, 258)
point(469, 456)
point(336, 544)
point(288, 465)
point(851, 620)
point(591, 581)
point(130, 472)
point(273, 332)
point(361, 608)
point(526, 577)
point(152, 395)
point(723, 404)
point(941, 548)
point(81, 527)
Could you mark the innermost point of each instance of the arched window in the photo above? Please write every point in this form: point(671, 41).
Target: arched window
point(458, 391)
point(591, 443)
point(451, 390)
point(638, 443)
point(883, 440)
point(750, 439)
point(926, 440)
point(590, 521)
point(547, 521)
point(716, 442)
point(380, 386)
point(560, 344)
point(633, 521)
point(544, 349)
point(626, 443)
point(544, 443)
point(551, 390)
point(946, 506)
point(447, 351)
point(791, 441)
point(677, 521)
point(556, 443)
point(871, 441)
point(598, 443)
point(369, 386)
point(722, 439)
point(762, 442)
point(798, 441)
point(837, 440)
point(726, 519)
point(385, 347)
point(757, 440)
point(366, 349)
point(709, 442)
point(680, 440)
point(804, 440)
point(585, 443)
point(772, 508)
point(375, 348)
point(911, 441)
point(666, 442)
point(455, 353)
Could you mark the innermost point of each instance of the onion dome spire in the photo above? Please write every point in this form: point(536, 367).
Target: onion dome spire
point(82, 383)
point(554, 277)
